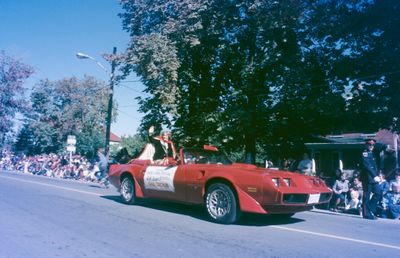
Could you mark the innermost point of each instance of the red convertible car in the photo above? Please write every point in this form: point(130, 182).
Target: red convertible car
point(206, 176)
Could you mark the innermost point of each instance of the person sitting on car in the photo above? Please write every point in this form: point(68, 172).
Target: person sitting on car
point(305, 166)
point(164, 148)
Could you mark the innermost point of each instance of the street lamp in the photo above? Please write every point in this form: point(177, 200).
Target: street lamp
point(110, 96)
point(85, 56)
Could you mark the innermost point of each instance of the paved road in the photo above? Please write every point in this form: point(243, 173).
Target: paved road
point(45, 217)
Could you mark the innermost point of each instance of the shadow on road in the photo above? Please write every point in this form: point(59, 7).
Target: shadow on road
point(251, 219)
point(97, 186)
point(199, 212)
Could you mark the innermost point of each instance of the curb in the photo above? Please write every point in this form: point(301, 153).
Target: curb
point(335, 213)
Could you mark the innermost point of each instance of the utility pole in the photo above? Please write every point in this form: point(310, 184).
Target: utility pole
point(110, 104)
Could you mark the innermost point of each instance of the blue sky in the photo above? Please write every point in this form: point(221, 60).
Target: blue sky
point(47, 34)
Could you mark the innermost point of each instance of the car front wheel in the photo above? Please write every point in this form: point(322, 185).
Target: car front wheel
point(221, 203)
point(128, 190)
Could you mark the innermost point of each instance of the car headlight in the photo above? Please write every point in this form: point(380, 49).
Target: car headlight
point(275, 181)
point(287, 181)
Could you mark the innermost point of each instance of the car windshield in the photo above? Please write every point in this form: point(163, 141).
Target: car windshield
point(196, 156)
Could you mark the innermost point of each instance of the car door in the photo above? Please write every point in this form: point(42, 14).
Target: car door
point(164, 182)
point(194, 182)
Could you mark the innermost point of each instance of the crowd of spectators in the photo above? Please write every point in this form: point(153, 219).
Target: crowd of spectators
point(348, 191)
point(51, 165)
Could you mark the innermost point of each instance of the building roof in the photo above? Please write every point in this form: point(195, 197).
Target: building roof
point(386, 137)
point(350, 137)
point(345, 138)
point(114, 138)
point(352, 140)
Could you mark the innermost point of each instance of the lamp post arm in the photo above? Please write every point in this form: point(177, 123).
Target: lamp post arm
point(105, 69)
point(86, 56)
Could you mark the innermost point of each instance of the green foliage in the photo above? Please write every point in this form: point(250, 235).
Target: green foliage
point(64, 107)
point(264, 76)
point(133, 144)
point(13, 74)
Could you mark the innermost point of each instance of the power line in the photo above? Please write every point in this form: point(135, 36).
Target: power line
point(303, 89)
point(133, 81)
point(324, 85)
point(129, 88)
point(376, 75)
point(128, 115)
point(360, 78)
point(132, 105)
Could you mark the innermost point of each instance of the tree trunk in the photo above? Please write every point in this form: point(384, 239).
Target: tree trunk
point(251, 128)
point(250, 148)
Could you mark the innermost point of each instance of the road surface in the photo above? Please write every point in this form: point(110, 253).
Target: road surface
point(48, 217)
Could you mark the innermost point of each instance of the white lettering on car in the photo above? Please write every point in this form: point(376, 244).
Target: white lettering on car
point(160, 178)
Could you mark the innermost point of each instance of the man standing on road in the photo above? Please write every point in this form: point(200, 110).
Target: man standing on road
point(103, 165)
point(370, 179)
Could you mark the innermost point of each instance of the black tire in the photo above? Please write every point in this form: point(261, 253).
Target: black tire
point(222, 205)
point(128, 190)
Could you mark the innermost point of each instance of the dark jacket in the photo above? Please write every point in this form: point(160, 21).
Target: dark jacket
point(369, 169)
point(160, 152)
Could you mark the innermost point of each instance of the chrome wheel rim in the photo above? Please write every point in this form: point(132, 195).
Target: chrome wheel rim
point(127, 189)
point(219, 203)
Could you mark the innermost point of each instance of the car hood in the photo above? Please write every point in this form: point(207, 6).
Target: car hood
point(254, 168)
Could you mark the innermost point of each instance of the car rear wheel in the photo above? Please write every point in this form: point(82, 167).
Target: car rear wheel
point(221, 203)
point(128, 190)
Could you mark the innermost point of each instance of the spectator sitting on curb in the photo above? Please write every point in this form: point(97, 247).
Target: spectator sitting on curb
point(353, 205)
point(340, 189)
point(394, 185)
point(356, 185)
point(383, 184)
point(391, 201)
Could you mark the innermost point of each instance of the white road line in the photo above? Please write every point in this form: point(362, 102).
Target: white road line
point(54, 186)
point(337, 237)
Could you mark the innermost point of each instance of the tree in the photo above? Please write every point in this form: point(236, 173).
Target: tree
point(353, 74)
point(257, 73)
point(375, 86)
point(64, 107)
point(133, 144)
point(13, 74)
